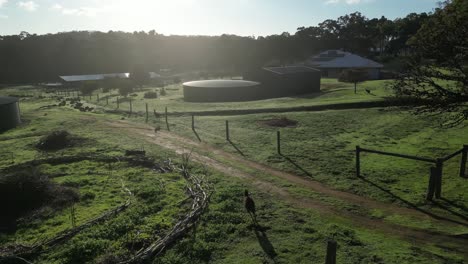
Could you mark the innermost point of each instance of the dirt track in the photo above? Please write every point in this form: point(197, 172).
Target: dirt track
point(180, 145)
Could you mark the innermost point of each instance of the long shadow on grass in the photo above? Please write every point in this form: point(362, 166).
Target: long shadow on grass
point(295, 164)
point(453, 204)
point(414, 206)
point(234, 146)
point(264, 242)
point(196, 134)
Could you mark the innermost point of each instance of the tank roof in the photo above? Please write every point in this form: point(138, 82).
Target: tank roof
point(7, 100)
point(220, 83)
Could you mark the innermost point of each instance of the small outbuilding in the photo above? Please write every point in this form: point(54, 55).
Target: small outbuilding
point(221, 91)
point(286, 81)
point(333, 62)
point(9, 113)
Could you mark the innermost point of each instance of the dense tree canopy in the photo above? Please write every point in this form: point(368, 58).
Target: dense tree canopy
point(437, 69)
point(36, 58)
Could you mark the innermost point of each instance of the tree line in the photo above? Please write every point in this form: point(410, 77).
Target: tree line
point(29, 58)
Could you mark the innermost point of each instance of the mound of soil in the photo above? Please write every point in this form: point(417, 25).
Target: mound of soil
point(55, 140)
point(279, 122)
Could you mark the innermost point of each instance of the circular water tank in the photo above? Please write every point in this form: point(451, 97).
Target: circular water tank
point(9, 113)
point(221, 91)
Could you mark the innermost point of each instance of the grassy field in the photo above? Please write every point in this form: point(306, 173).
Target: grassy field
point(321, 145)
point(332, 92)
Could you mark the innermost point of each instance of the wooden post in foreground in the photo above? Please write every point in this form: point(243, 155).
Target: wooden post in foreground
point(331, 252)
point(278, 141)
point(432, 182)
point(146, 112)
point(227, 131)
point(438, 179)
point(358, 161)
point(130, 106)
point(463, 161)
point(107, 100)
point(193, 122)
point(118, 103)
point(167, 122)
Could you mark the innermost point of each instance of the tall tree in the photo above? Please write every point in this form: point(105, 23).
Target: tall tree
point(354, 76)
point(437, 71)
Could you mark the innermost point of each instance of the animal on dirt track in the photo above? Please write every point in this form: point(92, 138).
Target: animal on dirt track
point(250, 206)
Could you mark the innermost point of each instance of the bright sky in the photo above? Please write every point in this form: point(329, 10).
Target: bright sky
point(190, 17)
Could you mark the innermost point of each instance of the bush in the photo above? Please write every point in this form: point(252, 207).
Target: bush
point(27, 190)
point(88, 88)
point(151, 95)
point(163, 92)
point(88, 196)
point(55, 140)
point(125, 90)
point(176, 79)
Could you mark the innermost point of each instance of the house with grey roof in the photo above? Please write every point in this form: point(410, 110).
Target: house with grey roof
point(333, 62)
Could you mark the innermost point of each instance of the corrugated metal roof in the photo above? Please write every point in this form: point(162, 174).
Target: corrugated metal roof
point(8, 100)
point(341, 59)
point(94, 77)
point(154, 75)
point(220, 83)
point(290, 69)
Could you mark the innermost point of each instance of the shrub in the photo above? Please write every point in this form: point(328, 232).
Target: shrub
point(125, 90)
point(55, 140)
point(163, 92)
point(27, 190)
point(88, 196)
point(176, 79)
point(151, 95)
point(88, 88)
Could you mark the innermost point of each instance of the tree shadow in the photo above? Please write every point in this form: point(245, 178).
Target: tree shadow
point(310, 95)
point(295, 164)
point(267, 247)
point(235, 147)
point(415, 207)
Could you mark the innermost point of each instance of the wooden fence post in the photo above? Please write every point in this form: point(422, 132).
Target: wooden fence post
point(358, 161)
point(278, 142)
point(331, 252)
point(118, 103)
point(107, 100)
point(193, 122)
point(227, 131)
point(146, 112)
point(167, 122)
point(130, 101)
point(432, 182)
point(463, 161)
point(438, 179)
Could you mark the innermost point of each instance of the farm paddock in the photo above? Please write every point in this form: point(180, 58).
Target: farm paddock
point(296, 219)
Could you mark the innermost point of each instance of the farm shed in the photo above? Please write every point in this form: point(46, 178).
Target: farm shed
point(93, 77)
point(9, 113)
point(333, 62)
point(286, 81)
point(221, 91)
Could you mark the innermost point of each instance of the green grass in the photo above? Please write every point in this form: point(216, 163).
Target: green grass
point(322, 144)
point(333, 92)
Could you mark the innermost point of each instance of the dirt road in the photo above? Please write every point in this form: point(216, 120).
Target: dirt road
point(181, 145)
